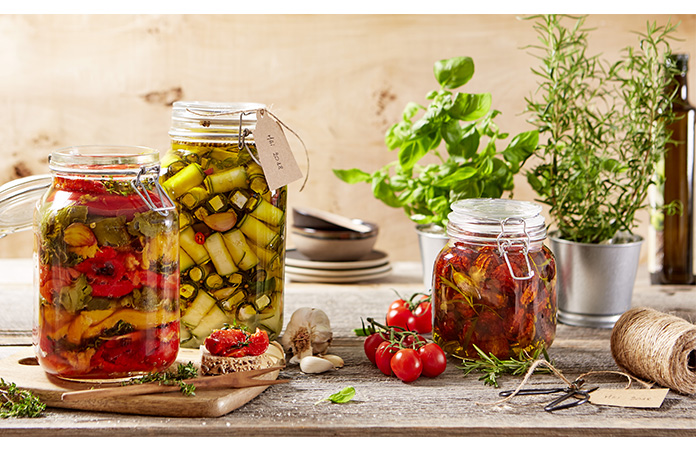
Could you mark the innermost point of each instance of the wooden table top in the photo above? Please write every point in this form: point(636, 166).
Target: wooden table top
point(449, 405)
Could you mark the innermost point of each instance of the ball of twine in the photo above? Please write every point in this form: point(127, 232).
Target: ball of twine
point(656, 346)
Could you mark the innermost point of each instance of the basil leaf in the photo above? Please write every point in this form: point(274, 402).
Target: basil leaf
point(343, 396)
point(521, 148)
point(352, 176)
point(470, 106)
point(454, 72)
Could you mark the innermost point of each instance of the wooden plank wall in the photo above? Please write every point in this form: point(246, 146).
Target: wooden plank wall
point(339, 81)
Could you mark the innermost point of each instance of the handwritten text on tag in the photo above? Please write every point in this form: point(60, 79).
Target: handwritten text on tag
point(632, 398)
point(276, 158)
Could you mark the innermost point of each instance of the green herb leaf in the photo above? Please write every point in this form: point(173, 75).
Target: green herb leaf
point(15, 402)
point(455, 72)
point(352, 176)
point(470, 106)
point(343, 396)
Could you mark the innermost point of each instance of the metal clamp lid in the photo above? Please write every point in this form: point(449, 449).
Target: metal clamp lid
point(505, 244)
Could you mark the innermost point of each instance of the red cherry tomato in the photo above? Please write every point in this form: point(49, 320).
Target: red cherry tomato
point(398, 317)
point(383, 356)
point(398, 303)
point(411, 340)
point(433, 358)
point(406, 365)
point(422, 321)
point(371, 343)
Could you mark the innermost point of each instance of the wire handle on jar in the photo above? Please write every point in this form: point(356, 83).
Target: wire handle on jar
point(505, 244)
point(139, 187)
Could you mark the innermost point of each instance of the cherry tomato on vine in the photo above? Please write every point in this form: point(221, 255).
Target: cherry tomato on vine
point(411, 340)
point(371, 343)
point(383, 356)
point(398, 317)
point(398, 303)
point(406, 365)
point(433, 358)
point(421, 320)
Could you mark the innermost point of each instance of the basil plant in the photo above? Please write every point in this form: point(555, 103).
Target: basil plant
point(426, 178)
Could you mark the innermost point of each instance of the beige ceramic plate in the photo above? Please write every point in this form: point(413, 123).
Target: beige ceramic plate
point(293, 258)
point(338, 279)
point(338, 272)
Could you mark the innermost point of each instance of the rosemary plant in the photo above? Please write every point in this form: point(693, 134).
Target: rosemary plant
point(602, 127)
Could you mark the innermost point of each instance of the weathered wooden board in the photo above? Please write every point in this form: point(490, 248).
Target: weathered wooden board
point(205, 403)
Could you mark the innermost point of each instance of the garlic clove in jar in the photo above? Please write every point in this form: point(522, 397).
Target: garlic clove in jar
point(308, 333)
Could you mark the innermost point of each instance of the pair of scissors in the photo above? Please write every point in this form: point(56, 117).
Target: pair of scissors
point(573, 391)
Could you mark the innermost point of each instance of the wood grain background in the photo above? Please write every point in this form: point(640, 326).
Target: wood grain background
point(339, 81)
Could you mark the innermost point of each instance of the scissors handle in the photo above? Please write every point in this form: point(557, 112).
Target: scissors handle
point(580, 398)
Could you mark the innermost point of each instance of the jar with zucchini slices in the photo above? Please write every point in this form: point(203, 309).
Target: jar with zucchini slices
point(107, 266)
point(232, 226)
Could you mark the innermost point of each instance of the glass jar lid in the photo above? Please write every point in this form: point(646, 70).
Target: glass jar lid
point(18, 200)
point(486, 218)
point(210, 121)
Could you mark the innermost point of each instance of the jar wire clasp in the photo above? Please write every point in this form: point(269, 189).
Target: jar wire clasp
point(505, 244)
point(142, 191)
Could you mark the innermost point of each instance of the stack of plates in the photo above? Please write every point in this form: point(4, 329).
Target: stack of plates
point(300, 268)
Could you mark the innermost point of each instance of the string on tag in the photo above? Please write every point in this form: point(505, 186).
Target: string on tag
point(243, 133)
point(578, 381)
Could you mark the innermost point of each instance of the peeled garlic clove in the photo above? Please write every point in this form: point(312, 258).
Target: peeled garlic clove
point(336, 360)
point(315, 364)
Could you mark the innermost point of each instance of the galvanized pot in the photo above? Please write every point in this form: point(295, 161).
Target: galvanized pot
point(595, 281)
point(431, 240)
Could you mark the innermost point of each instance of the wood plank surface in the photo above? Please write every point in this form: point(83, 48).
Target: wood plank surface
point(449, 405)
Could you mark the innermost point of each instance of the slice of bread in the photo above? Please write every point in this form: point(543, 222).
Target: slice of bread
point(218, 365)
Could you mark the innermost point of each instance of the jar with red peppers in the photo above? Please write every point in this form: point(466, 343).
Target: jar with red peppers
point(107, 266)
point(494, 283)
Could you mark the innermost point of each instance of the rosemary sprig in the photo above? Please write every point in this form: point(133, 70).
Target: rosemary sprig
point(183, 372)
point(15, 402)
point(492, 367)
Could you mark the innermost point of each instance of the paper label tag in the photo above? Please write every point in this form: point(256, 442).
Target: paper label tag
point(631, 398)
point(275, 156)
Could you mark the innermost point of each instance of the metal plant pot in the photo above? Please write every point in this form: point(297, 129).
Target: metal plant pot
point(431, 239)
point(595, 281)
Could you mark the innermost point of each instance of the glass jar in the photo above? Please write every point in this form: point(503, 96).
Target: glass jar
point(106, 266)
point(494, 283)
point(232, 225)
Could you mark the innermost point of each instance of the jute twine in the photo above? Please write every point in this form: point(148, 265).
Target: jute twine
point(656, 346)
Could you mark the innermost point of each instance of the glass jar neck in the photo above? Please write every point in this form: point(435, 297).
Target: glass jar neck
point(490, 221)
point(137, 166)
point(213, 122)
point(104, 161)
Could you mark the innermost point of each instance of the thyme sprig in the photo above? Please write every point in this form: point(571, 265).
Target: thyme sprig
point(183, 372)
point(15, 402)
point(492, 366)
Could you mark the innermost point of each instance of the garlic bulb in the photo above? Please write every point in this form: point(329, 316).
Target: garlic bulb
point(308, 333)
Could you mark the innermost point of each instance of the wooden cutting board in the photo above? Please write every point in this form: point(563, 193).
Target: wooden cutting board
point(22, 369)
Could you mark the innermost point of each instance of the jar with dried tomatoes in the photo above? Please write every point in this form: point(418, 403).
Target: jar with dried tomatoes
point(494, 283)
point(107, 266)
